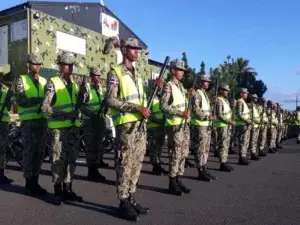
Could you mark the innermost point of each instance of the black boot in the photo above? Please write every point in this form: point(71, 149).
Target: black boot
point(174, 189)
point(254, 157)
point(157, 169)
point(102, 164)
point(68, 193)
point(182, 187)
point(33, 188)
point(94, 175)
point(272, 150)
point(231, 151)
point(206, 171)
point(4, 179)
point(137, 207)
point(262, 153)
point(244, 161)
point(226, 168)
point(279, 146)
point(57, 194)
point(202, 175)
point(127, 211)
point(298, 141)
point(188, 164)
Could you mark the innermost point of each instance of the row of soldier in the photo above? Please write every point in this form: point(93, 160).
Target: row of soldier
point(54, 110)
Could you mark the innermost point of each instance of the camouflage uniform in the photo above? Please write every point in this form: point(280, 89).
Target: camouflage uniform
point(64, 142)
point(33, 130)
point(200, 135)
point(93, 128)
point(223, 137)
point(272, 130)
point(254, 132)
point(280, 128)
point(4, 133)
point(243, 130)
point(262, 130)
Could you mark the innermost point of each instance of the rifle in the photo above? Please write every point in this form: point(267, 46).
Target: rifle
point(190, 99)
point(215, 105)
point(149, 104)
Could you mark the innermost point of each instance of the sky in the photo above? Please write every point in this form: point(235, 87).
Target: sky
point(266, 32)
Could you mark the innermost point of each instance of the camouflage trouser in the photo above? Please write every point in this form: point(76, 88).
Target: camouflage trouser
point(214, 139)
point(178, 145)
point(254, 140)
point(201, 138)
point(3, 143)
point(34, 142)
point(64, 147)
point(262, 137)
point(222, 143)
point(129, 155)
point(279, 134)
point(231, 136)
point(156, 140)
point(244, 137)
point(272, 135)
point(286, 128)
point(93, 139)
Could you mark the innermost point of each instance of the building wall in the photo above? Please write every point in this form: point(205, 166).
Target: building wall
point(43, 42)
point(17, 50)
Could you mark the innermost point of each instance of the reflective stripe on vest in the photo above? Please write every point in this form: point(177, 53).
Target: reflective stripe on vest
point(64, 102)
point(245, 113)
point(129, 92)
point(227, 113)
point(298, 118)
point(94, 102)
point(205, 108)
point(32, 112)
point(256, 116)
point(179, 102)
point(155, 112)
point(5, 116)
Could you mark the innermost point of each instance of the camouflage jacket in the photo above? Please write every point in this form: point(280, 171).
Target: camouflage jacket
point(50, 98)
point(239, 112)
point(196, 104)
point(167, 99)
point(114, 101)
point(220, 109)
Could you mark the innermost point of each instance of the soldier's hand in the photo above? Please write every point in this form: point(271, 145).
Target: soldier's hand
point(186, 114)
point(144, 111)
point(160, 82)
point(213, 118)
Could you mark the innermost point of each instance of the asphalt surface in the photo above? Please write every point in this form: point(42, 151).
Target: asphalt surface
point(266, 192)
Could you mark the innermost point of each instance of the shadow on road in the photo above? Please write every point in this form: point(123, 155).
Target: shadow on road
point(13, 188)
point(108, 210)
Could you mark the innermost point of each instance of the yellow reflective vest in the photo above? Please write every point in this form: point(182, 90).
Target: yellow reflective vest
point(205, 107)
point(298, 118)
point(245, 113)
point(32, 112)
point(5, 116)
point(256, 116)
point(155, 112)
point(64, 102)
point(227, 113)
point(95, 100)
point(129, 92)
point(179, 102)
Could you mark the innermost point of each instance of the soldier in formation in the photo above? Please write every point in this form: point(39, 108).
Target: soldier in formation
point(263, 127)
point(254, 132)
point(174, 106)
point(63, 121)
point(93, 124)
point(223, 120)
point(29, 94)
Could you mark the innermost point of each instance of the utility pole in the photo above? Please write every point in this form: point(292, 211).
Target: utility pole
point(292, 101)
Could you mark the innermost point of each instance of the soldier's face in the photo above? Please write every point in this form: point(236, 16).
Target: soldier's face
point(225, 93)
point(96, 79)
point(34, 68)
point(132, 54)
point(67, 69)
point(255, 100)
point(178, 74)
point(205, 85)
point(245, 95)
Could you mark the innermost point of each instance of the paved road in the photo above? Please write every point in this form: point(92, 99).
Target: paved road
point(266, 192)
